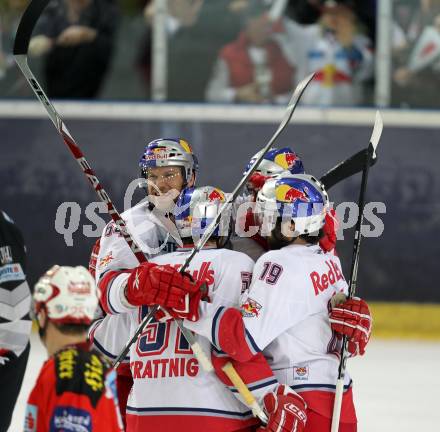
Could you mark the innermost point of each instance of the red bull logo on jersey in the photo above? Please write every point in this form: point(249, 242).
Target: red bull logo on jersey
point(250, 308)
point(301, 373)
point(216, 195)
point(289, 194)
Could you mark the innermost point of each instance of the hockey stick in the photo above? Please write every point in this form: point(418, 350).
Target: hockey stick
point(347, 168)
point(371, 152)
point(211, 228)
point(21, 44)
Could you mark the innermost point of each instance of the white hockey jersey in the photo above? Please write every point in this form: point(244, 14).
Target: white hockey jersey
point(151, 234)
point(286, 312)
point(171, 391)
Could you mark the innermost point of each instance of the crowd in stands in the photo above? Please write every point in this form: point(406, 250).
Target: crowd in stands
point(230, 51)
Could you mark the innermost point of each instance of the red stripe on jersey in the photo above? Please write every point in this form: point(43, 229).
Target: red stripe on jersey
point(94, 257)
point(321, 402)
point(252, 371)
point(104, 286)
point(232, 336)
point(187, 423)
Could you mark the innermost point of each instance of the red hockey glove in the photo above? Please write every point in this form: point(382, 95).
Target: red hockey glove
point(286, 410)
point(353, 319)
point(256, 181)
point(151, 284)
point(328, 241)
point(189, 308)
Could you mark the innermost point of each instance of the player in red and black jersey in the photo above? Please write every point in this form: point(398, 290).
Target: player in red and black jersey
point(76, 388)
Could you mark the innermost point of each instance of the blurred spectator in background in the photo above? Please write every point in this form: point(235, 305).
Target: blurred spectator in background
point(253, 68)
point(309, 12)
point(416, 54)
point(337, 51)
point(12, 81)
point(78, 38)
point(197, 29)
point(15, 322)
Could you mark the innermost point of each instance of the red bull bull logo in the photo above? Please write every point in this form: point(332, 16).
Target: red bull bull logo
point(289, 194)
point(286, 160)
point(216, 195)
point(291, 159)
point(250, 308)
point(301, 373)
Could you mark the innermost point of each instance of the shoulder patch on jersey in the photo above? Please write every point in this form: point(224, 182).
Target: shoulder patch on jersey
point(250, 308)
point(30, 418)
point(80, 372)
point(68, 418)
point(105, 261)
point(301, 373)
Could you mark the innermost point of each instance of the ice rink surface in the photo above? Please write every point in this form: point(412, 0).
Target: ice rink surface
point(396, 386)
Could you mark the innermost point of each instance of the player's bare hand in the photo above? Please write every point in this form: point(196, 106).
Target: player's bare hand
point(352, 318)
point(75, 35)
point(248, 93)
point(286, 410)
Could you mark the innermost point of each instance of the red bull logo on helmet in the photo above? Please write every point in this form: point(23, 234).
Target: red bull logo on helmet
point(289, 194)
point(250, 308)
point(286, 160)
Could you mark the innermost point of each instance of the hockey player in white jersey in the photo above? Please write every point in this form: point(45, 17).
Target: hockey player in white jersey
point(287, 313)
point(168, 165)
point(276, 162)
point(171, 391)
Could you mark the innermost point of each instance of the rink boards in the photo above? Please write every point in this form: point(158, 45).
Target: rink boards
point(45, 192)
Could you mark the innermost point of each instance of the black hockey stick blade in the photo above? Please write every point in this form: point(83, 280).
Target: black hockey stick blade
point(355, 163)
point(27, 24)
point(296, 96)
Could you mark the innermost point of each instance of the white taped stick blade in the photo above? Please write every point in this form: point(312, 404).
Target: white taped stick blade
point(258, 412)
point(337, 405)
point(377, 132)
point(204, 361)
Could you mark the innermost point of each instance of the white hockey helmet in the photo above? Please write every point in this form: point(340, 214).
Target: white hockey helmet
point(169, 152)
point(196, 208)
point(68, 294)
point(298, 197)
